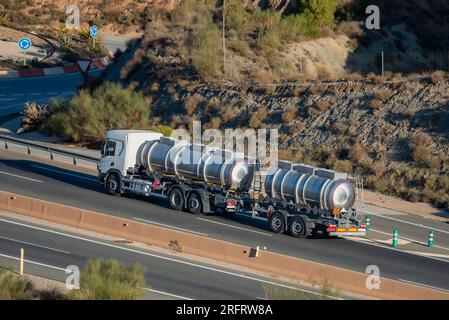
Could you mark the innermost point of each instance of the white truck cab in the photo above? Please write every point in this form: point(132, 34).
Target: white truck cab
point(119, 150)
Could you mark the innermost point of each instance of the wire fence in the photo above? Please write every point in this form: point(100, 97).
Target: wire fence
point(398, 62)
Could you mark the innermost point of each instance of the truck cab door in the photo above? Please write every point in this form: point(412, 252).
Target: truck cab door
point(110, 156)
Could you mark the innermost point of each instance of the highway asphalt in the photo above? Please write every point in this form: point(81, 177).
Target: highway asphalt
point(49, 251)
point(14, 93)
point(48, 182)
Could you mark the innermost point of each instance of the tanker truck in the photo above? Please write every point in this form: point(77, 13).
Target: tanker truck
point(292, 198)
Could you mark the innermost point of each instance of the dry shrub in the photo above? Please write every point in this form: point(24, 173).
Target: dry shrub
point(419, 147)
point(376, 104)
point(214, 123)
point(289, 116)
point(257, 119)
point(325, 73)
point(154, 88)
point(343, 166)
point(228, 114)
point(358, 153)
point(296, 128)
point(33, 116)
point(318, 108)
point(132, 64)
point(409, 112)
point(191, 103)
point(437, 77)
point(379, 168)
point(382, 95)
point(354, 77)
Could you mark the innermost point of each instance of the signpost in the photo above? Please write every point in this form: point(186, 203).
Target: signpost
point(94, 33)
point(24, 45)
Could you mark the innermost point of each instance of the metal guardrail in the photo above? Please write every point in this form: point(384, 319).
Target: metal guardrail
point(51, 150)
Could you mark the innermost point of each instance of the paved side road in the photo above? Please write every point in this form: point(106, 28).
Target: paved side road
point(49, 251)
point(14, 93)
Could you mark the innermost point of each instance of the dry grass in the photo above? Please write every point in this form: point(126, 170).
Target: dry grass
point(419, 147)
point(191, 103)
point(258, 118)
point(289, 116)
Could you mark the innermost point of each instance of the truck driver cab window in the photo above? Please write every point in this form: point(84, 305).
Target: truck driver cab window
point(109, 149)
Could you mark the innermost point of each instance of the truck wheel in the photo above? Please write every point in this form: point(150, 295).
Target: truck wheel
point(176, 199)
point(277, 223)
point(113, 185)
point(194, 204)
point(297, 227)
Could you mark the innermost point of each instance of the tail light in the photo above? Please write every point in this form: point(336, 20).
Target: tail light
point(156, 182)
point(331, 229)
point(231, 203)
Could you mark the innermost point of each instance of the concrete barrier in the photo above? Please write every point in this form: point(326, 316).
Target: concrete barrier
point(266, 261)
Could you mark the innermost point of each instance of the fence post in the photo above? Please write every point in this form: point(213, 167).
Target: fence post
point(383, 64)
point(22, 254)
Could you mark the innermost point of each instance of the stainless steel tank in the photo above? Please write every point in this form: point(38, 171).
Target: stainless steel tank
point(197, 162)
point(306, 185)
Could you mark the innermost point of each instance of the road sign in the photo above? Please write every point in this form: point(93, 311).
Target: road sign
point(24, 44)
point(94, 31)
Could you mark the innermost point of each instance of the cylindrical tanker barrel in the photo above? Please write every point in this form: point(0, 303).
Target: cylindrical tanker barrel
point(314, 187)
point(197, 162)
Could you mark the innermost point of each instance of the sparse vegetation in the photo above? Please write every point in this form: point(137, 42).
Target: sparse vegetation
point(110, 280)
point(419, 147)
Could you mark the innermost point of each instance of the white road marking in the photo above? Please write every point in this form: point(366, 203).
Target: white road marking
point(168, 294)
point(169, 226)
point(407, 222)
point(21, 177)
point(38, 100)
point(395, 249)
point(424, 285)
point(34, 245)
point(62, 269)
point(240, 228)
point(62, 172)
point(408, 239)
point(167, 258)
point(34, 262)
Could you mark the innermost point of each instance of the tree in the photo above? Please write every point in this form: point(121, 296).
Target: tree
point(320, 11)
point(110, 280)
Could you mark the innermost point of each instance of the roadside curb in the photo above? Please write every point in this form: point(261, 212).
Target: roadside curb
point(265, 261)
point(69, 68)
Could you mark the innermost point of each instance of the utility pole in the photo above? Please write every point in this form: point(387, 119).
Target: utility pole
point(224, 39)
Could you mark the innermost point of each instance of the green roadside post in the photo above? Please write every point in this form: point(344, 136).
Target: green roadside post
point(367, 222)
point(395, 238)
point(431, 237)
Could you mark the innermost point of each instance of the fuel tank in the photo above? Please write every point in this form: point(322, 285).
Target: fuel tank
point(307, 185)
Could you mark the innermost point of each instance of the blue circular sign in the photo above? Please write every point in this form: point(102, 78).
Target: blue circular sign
point(24, 44)
point(94, 31)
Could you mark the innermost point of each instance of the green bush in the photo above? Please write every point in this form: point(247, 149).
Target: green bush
point(110, 280)
point(88, 116)
point(207, 52)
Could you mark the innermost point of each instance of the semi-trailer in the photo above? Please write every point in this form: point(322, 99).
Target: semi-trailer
point(293, 198)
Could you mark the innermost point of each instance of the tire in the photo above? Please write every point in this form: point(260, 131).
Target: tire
point(113, 185)
point(176, 199)
point(194, 203)
point(277, 223)
point(297, 227)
